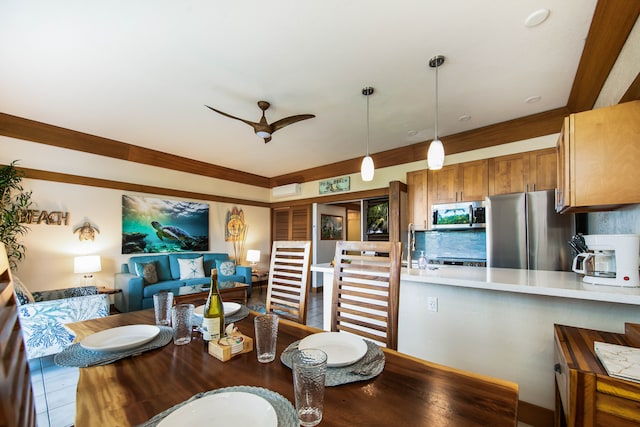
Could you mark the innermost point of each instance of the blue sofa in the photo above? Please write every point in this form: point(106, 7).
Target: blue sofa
point(136, 295)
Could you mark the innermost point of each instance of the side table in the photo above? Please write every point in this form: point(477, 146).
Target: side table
point(110, 291)
point(259, 278)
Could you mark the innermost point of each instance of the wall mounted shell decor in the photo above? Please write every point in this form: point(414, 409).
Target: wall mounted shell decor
point(86, 231)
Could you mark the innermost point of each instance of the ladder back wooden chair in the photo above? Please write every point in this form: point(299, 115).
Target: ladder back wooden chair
point(16, 395)
point(289, 280)
point(366, 288)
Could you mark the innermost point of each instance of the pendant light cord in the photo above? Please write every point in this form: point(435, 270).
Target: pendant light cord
point(367, 123)
point(436, 127)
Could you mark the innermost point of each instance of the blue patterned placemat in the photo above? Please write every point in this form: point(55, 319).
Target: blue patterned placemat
point(371, 365)
point(286, 413)
point(76, 356)
point(235, 317)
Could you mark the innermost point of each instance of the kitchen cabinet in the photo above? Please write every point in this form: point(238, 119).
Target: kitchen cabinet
point(516, 173)
point(417, 199)
point(462, 182)
point(585, 394)
point(598, 155)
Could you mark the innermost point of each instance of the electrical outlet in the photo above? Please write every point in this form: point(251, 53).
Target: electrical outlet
point(432, 303)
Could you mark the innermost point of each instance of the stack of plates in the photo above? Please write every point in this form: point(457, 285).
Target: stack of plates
point(225, 409)
point(342, 349)
point(121, 338)
point(230, 308)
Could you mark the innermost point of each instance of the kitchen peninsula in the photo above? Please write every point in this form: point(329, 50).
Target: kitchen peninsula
point(499, 322)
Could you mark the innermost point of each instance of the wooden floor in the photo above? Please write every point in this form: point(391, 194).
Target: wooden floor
point(55, 387)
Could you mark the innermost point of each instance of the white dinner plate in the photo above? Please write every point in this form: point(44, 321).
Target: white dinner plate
point(120, 338)
point(233, 408)
point(229, 308)
point(342, 349)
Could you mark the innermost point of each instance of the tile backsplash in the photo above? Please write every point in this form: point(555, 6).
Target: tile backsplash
point(468, 244)
point(622, 221)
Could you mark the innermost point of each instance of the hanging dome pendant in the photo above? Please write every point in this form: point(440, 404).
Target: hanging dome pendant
point(435, 154)
point(367, 169)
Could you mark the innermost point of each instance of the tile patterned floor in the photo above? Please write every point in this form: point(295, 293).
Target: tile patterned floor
point(54, 387)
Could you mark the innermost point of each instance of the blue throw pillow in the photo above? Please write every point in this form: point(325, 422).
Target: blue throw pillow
point(225, 268)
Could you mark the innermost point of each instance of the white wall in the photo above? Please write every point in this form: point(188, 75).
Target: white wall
point(51, 248)
point(324, 250)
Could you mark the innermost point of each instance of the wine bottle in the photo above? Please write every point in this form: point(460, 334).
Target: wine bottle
point(213, 313)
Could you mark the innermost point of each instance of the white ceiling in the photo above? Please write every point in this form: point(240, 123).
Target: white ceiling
point(142, 71)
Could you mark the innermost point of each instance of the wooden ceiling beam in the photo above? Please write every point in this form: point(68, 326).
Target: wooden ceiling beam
point(43, 133)
point(528, 127)
point(612, 22)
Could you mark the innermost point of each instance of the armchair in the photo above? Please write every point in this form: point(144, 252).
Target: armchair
point(43, 315)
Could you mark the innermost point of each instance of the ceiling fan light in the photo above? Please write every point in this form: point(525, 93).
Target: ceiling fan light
point(367, 170)
point(263, 134)
point(435, 155)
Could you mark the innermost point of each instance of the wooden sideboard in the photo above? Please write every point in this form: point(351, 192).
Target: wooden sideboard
point(585, 394)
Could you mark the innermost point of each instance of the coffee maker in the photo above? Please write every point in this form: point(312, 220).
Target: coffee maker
point(612, 259)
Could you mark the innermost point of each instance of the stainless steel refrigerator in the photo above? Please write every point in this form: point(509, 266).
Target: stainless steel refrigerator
point(524, 231)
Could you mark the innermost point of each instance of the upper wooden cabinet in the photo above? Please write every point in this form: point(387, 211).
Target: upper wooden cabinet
point(417, 199)
point(516, 173)
point(462, 182)
point(598, 157)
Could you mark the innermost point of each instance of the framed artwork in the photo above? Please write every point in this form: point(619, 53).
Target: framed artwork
point(330, 227)
point(151, 225)
point(335, 185)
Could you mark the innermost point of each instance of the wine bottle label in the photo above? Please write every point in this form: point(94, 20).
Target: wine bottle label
point(211, 328)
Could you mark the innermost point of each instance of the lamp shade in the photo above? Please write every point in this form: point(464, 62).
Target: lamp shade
point(435, 155)
point(87, 264)
point(367, 170)
point(253, 255)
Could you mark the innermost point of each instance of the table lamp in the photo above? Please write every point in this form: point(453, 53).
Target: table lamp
point(253, 256)
point(87, 265)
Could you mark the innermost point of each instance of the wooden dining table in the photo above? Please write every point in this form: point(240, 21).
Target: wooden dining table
point(409, 391)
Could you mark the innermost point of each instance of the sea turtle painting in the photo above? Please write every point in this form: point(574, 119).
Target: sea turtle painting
point(86, 231)
point(170, 232)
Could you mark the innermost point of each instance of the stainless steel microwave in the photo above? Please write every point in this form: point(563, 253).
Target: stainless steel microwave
point(461, 215)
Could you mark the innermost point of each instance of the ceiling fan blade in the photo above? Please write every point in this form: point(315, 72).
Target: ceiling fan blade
point(250, 123)
point(267, 140)
point(289, 120)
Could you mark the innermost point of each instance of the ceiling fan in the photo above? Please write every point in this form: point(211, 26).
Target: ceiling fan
point(264, 129)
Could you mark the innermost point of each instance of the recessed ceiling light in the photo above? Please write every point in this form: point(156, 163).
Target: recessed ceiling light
point(537, 18)
point(532, 99)
point(412, 132)
point(464, 118)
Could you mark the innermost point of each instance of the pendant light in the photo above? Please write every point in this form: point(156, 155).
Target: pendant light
point(435, 155)
point(367, 169)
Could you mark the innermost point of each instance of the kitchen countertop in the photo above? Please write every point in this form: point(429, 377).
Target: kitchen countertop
point(534, 282)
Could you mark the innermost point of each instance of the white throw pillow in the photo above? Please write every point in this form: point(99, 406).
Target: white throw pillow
point(191, 268)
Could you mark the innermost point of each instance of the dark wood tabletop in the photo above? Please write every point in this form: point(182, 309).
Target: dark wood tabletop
point(409, 391)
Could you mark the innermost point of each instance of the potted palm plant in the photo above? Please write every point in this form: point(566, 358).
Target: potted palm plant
point(13, 202)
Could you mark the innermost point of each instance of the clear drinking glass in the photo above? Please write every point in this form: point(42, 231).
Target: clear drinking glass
point(182, 321)
point(162, 303)
point(266, 327)
point(309, 371)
